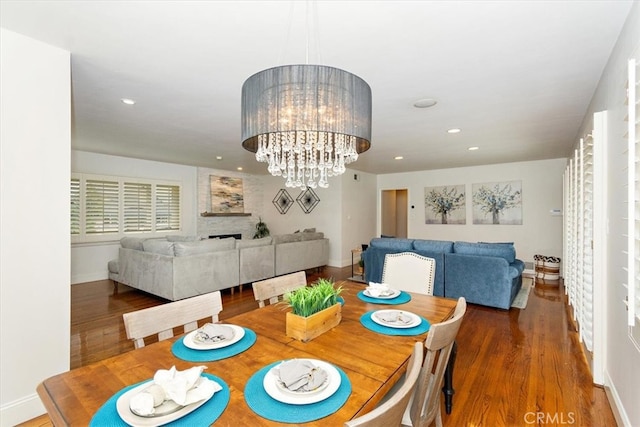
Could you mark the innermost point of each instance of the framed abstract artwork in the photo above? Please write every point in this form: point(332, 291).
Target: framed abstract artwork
point(445, 205)
point(498, 203)
point(226, 194)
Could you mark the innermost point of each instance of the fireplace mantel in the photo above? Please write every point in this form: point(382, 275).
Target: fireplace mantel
point(225, 214)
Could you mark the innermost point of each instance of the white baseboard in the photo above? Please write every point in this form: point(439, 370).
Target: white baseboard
point(19, 411)
point(83, 278)
point(622, 419)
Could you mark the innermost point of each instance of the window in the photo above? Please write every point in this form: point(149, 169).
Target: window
point(167, 207)
point(75, 206)
point(107, 207)
point(137, 207)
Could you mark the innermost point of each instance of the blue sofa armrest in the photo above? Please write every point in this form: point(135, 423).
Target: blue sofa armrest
point(485, 280)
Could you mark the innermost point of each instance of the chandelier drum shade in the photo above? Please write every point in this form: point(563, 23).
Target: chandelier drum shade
point(306, 121)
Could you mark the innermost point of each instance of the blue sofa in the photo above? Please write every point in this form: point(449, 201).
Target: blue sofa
point(484, 273)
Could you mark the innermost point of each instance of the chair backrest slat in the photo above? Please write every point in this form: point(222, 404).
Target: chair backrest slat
point(409, 272)
point(390, 412)
point(163, 318)
point(271, 289)
point(425, 406)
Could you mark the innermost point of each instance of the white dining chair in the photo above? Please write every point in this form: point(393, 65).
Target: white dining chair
point(390, 412)
point(163, 318)
point(424, 406)
point(409, 272)
point(272, 289)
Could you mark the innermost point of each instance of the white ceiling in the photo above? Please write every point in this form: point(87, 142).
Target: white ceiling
point(515, 76)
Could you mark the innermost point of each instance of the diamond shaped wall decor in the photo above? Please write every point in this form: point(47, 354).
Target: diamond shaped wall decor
point(308, 200)
point(282, 201)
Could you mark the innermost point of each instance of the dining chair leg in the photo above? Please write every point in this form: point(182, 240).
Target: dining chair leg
point(447, 388)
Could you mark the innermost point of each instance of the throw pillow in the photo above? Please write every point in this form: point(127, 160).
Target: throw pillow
point(204, 246)
point(132, 243)
point(161, 247)
point(252, 243)
point(183, 238)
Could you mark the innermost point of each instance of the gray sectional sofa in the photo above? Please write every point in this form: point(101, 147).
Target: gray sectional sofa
point(181, 267)
point(484, 273)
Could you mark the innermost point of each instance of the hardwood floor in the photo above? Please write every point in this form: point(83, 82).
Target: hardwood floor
point(514, 368)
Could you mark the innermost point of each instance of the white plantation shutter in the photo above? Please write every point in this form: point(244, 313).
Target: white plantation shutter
point(106, 208)
point(167, 207)
point(137, 207)
point(75, 206)
point(578, 270)
point(632, 300)
point(102, 206)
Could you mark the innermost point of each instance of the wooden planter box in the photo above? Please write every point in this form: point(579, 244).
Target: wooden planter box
point(307, 328)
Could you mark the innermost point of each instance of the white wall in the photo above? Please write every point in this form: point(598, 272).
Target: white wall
point(540, 232)
point(622, 359)
point(345, 213)
point(34, 227)
point(89, 260)
point(358, 212)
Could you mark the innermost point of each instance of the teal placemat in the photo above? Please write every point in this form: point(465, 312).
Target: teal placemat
point(267, 407)
point(107, 415)
point(183, 352)
point(375, 327)
point(404, 297)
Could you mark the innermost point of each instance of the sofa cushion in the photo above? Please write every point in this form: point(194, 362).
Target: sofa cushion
point(252, 243)
point(393, 244)
point(183, 238)
point(204, 246)
point(312, 235)
point(309, 230)
point(161, 247)
point(508, 252)
point(132, 243)
point(444, 246)
point(287, 238)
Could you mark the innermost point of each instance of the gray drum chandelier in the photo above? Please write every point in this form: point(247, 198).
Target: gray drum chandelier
point(306, 121)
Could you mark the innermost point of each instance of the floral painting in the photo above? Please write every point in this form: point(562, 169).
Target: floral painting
point(226, 194)
point(445, 205)
point(497, 203)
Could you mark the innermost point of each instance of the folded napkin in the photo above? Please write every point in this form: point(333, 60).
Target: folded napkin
point(183, 387)
point(300, 375)
point(394, 317)
point(378, 289)
point(211, 333)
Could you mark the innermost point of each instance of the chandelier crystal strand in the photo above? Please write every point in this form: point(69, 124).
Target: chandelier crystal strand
point(307, 122)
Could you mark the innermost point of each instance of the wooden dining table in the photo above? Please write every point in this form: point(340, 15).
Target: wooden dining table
point(373, 362)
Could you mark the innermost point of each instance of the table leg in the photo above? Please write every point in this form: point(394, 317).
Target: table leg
point(447, 389)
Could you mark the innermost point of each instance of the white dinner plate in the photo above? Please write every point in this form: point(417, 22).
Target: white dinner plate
point(274, 390)
point(122, 407)
point(405, 319)
point(393, 293)
point(238, 333)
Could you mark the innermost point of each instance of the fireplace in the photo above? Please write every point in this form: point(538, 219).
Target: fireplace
point(236, 236)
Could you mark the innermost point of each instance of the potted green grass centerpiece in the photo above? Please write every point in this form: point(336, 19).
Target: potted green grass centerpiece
point(314, 310)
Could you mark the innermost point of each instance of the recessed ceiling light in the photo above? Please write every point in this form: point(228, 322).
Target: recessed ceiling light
point(218, 157)
point(239, 168)
point(454, 130)
point(128, 101)
point(425, 103)
point(473, 148)
point(398, 158)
